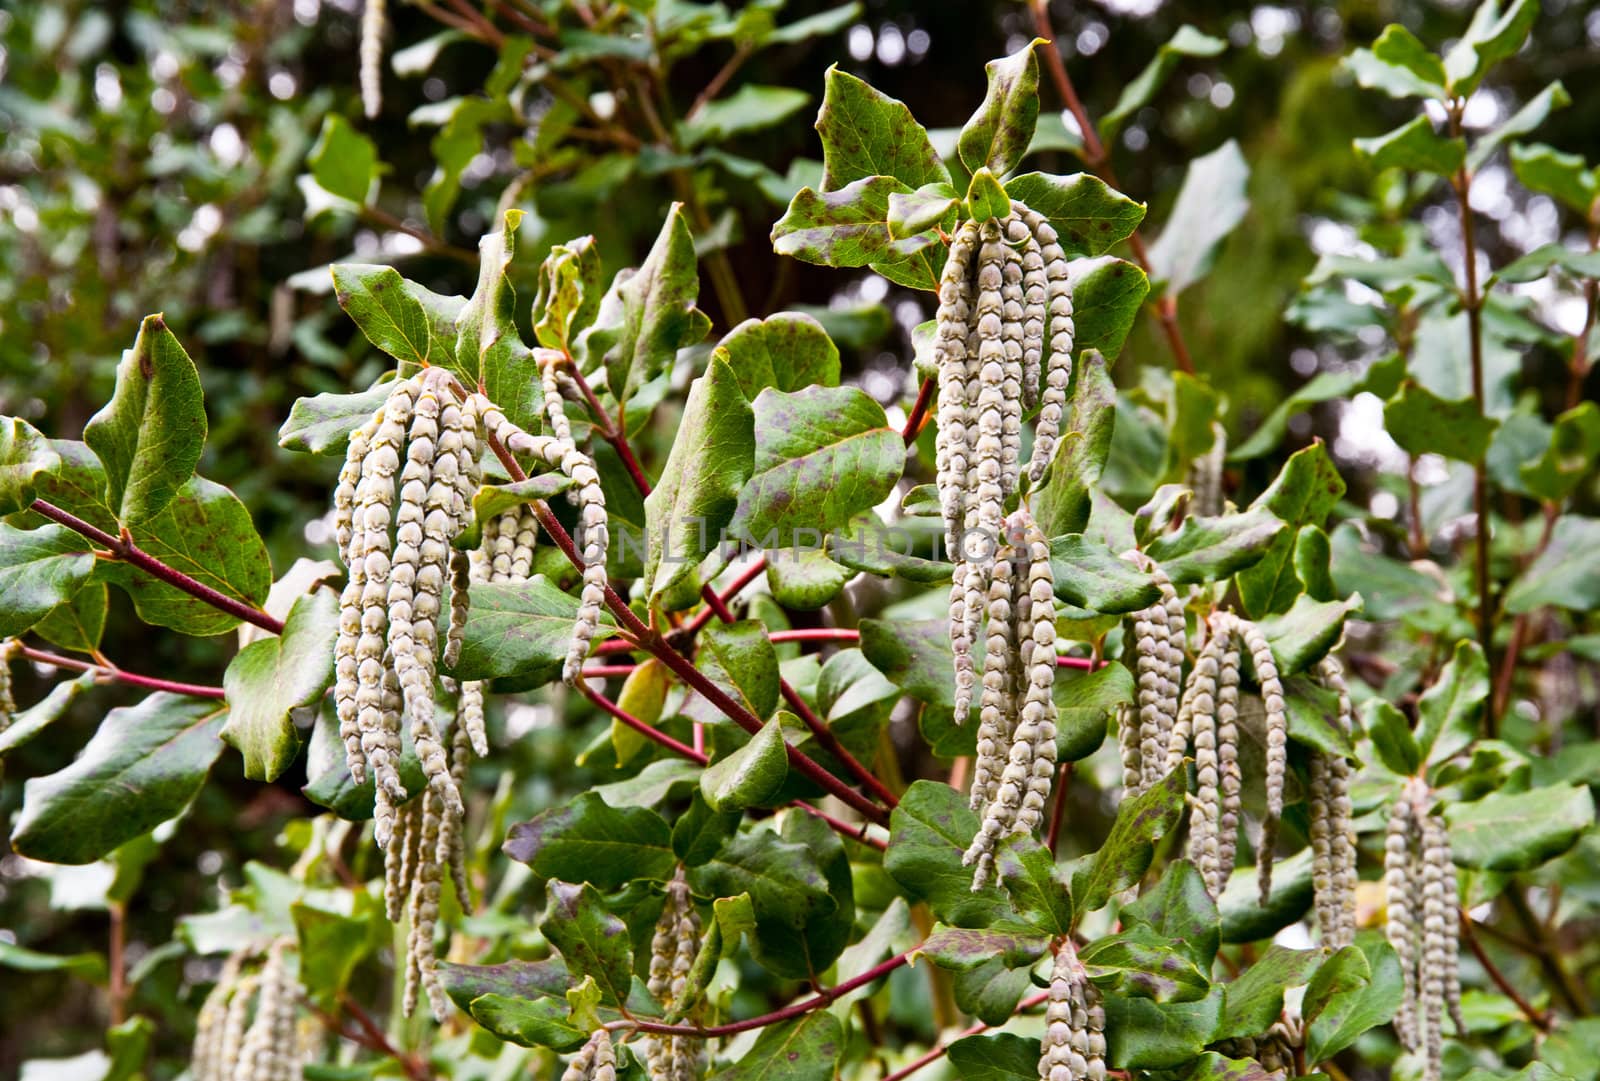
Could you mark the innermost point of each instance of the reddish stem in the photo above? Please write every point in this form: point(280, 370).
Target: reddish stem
point(793, 1010)
point(755, 570)
point(919, 412)
point(1539, 1019)
point(605, 671)
point(193, 690)
point(646, 730)
point(682, 667)
point(1059, 814)
point(816, 634)
point(124, 549)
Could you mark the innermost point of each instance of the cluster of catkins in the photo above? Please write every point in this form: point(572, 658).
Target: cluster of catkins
point(1074, 1044)
point(1016, 759)
point(1004, 281)
point(1420, 884)
point(403, 500)
point(673, 949)
point(247, 1028)
point(595, 1061)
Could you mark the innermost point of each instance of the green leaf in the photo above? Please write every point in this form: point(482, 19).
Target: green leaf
point(1347, 970)
point(24, 454)
point(658, 313)
point(79, 623)
point(1211, 202)
point(1084, 705)
point(750, 776)
point(1567, 177)
point(1003, 1056)
point(588, 840)
point(1141, 1034)
point(1448, 712)
point(1211, 549)
point(711, 460)
point(991, 991)
point(518, 632)
point(1212, 1066)
point(376, 300)
point(916, 657)
point(1142, 962)
point(804, 579)
point(39, 569)
point(488, 348)
point(592, 941)
point(492, 500)
point(1348, 1014)
point(1089, 216)
point(997, 135)
point(1064, 499)
point(269, 679)
point(750, 108)
point(740, 659)
point(1029, 872)
point(28, 723)
point(1107, 294)
point(867, 544)
point(1401, 72)
point(776, 947)
point(1307, 632)
point(928, 833)
point(930, 206)
point(143, 766)
point(1540, 261)
point(1305, 491)
point(1130, 846)
point(804, 1049)
point(84, 966)
point(1416, 147)
point(699, 833)
point(1254, 1001)
point(789, 351)
point(1518, 832)
point(334, 939)
point(208, 535)
point(986, 199)
point(850, 228)
point(322, 424)
point(1524, 120)
point(1243, 917)
point(1566, 575)
point(1313, 718)
point(822, 456)
point(540, 1022)
point(1179, 910)
point(1491, 37)
point(783, 880)
point(1422, 422)
point(569, 293)
point(149, 436)
point(1137, 94)
point(1392, 738)
point(1572, 453)
point(1089, 575)
point(344, 161)
point(866, 133)
point(960, 949)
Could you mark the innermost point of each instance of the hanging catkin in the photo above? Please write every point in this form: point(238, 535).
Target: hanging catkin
point(1018, 731)
point(1333, 842)
point(374, 26)
point(673, 948)
point(1058, 373)
point(595, 1061)
point(1423, 923)
point(1073, 1047)
point(270, 1048)
point(1158, 643)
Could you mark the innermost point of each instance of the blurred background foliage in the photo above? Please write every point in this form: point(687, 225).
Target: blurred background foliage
point(153, 157)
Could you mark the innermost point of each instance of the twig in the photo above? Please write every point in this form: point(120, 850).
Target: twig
point(793, 1010)
point(815, 634)
point(1549, 958)
point(116, 961)
point(719, 80)
point(123, 548)
point(1058, 814)
point(381, 217)
point(120, 675)
point(919, 412)
point(681, 666)
point(1537, 1018)
point(1098, 159)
